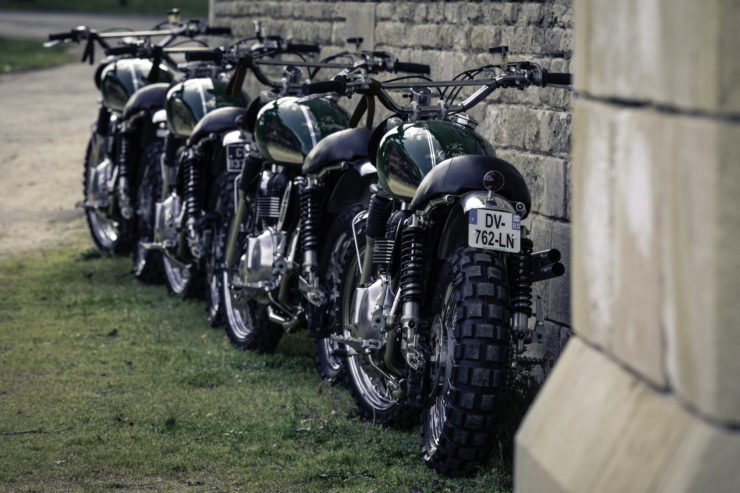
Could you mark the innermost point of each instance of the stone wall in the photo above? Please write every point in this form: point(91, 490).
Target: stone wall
point(646, 398)
point(531, 129)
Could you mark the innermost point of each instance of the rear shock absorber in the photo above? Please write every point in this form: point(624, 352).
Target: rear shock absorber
point(310, 196)
point(377, 216)
point(412, 287)
point(191, 191)
point(169, 165)
point(520, 266)
point(310, 205)
point(191, 186)
point(125, 161)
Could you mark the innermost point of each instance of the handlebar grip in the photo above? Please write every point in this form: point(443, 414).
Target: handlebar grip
point(412, 68)
point(337, 85)
point(60, 36)
point(203, 56)
point(122, 50)
point(558, 78)
point(303, 47)
point(216, 30)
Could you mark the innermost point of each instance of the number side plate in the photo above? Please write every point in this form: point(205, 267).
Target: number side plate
point(494, 230)
point(235, 157)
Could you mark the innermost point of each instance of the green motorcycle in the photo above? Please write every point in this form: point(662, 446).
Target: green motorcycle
point(435, 277)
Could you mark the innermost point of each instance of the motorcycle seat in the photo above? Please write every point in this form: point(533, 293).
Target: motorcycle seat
point(346, 145)
point(215, 122)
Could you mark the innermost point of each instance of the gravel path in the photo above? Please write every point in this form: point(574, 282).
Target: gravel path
point(44, 127)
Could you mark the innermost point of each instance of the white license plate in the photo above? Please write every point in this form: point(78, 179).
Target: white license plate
point(235, 157)
point(494, 230)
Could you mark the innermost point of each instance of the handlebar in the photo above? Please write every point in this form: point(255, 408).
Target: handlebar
point(303, 47)
point(61, 36)
point(557, 78)
point(337, 85)
point(204, 56)
point(122, 50)
point(519, 75)
point(412, 68)
point(217, 31)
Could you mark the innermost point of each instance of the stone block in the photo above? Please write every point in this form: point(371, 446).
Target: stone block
point(639, 170)
point(698, 67)
point(596, 427)
point(558, 302)
point(359, 20)
point(701, 268)
point(593, 272)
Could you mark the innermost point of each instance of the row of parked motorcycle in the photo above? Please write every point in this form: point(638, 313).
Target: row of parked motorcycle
point(398, 243)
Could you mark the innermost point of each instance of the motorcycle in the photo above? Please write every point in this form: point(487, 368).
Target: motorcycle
point(435, 276)
point(315, 169)
point(132, 80)
point(204, 155)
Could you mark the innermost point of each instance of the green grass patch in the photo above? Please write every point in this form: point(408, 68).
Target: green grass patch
point(23, 54)
point(110, 384)
point(189, 8)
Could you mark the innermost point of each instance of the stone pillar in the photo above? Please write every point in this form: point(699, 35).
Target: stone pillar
point(647, 396)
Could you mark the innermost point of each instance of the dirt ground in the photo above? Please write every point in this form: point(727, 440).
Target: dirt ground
point(45, 119)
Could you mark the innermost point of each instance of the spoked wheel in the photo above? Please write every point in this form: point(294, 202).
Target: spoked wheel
point(182, 279)
point(340, 240)
point(215, 259)
point(247, 325)
point(110, 234)
point(470, 359)
point(377, 397)
point(148, 263)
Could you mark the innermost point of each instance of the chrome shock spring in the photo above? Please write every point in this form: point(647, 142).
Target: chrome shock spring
point(412, 263)
point(310, 199)
point(125, 154)
point(191, 181)
point(521, 281)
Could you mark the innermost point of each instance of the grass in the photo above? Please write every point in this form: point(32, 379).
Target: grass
point(188, 8)
point(16, 54)
point(106, 384)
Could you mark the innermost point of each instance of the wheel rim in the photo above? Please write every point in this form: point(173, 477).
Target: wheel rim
point(374, 389)
point(178, 275)
point(441, 367)
point(104, 228)
point(328, 347)
point(238, 310)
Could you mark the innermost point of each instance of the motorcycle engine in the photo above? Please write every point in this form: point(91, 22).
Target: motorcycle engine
point(370, 305)
point(101, 183)
point(167, 213)
point(262, 266)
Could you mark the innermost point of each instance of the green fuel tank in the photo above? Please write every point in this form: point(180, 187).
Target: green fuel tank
point(288, 128)
point(120, 79)
point(190, 100)
point(408, 152)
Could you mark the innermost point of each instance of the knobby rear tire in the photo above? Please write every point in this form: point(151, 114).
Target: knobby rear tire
point(472, 301)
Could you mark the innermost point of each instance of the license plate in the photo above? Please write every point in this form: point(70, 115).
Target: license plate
point(235, 157)
point(494, 230)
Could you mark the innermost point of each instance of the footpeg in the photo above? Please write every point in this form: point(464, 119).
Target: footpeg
point(359, 346)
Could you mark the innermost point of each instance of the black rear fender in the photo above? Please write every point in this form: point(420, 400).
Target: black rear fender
point(353, 186)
